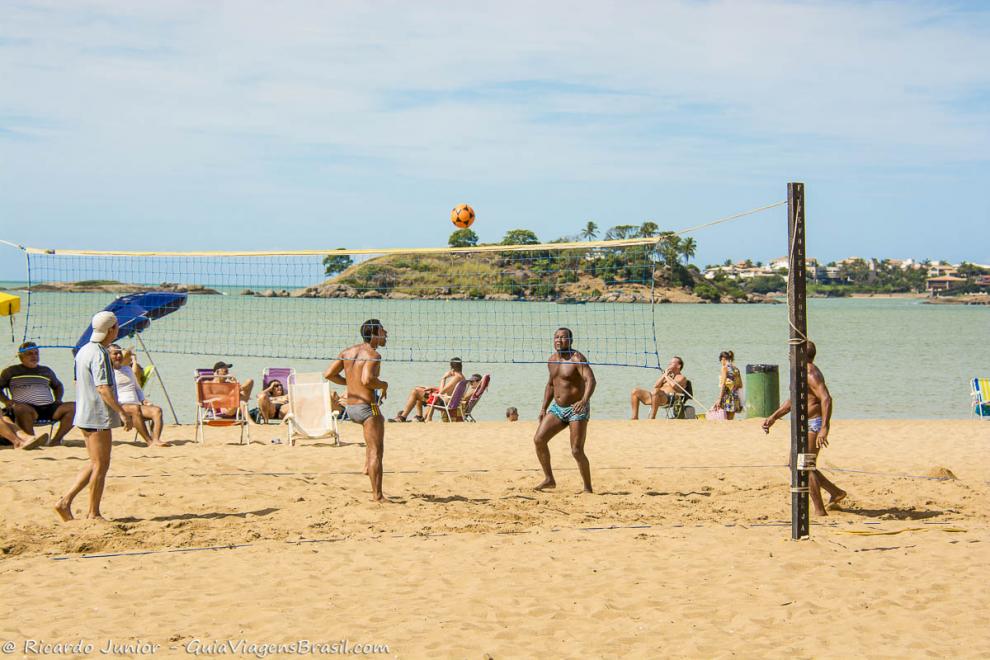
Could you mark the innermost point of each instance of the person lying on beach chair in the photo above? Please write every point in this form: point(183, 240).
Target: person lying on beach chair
point(273, 402)
point(443, 401)
point(671, 384)
point(133, 400)
point(221, 374)
point(32, 394)
point(424, 395)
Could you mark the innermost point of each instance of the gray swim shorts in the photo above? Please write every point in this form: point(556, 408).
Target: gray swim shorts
point(359, 412)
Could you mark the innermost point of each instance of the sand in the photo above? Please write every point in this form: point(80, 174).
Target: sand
point(683, 551)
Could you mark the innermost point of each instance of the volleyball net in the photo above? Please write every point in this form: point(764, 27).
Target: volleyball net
point(485, 304)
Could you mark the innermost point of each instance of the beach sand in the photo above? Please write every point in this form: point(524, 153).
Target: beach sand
point(683, 551)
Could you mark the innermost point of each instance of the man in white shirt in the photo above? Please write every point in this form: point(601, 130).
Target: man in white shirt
point(97, 413)
point(134, 402)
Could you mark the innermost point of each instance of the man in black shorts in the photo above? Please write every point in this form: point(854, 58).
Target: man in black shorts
point(32, 392)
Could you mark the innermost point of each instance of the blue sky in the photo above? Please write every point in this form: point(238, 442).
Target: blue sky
point(255, 125)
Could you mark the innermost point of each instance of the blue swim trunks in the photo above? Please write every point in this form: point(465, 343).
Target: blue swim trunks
point(815, 424)
point(567, 415)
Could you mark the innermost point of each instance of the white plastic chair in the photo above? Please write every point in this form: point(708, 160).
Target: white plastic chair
point(311, 414)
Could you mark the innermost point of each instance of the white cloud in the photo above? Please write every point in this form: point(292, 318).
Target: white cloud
point(202, 97)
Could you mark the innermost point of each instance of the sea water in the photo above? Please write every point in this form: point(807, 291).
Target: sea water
point(882, 358)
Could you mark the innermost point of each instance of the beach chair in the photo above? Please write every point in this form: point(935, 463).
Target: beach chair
point(679, 407)
point(271, 375)
point(310, 408)
point(9, 414)
point(211, 399)
point(981, 397)
point(451, 404)
point(467, 405)
point(281, 374)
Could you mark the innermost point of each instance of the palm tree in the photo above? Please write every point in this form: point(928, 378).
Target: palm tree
point(590, 231)
point(648, 228)
point(689, 247)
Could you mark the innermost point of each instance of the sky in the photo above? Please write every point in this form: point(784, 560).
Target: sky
point(258, 125)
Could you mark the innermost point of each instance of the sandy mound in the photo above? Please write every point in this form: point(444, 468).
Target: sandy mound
point(941, 473)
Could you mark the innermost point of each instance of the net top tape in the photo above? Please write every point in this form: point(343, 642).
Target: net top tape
point(651, 240)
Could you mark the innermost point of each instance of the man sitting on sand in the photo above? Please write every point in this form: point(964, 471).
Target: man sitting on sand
point(18, 439)
point(31, 391)
point(132, 399)
point(671, 383)
point(819, 417)
point(422, 395)
point(221, 374)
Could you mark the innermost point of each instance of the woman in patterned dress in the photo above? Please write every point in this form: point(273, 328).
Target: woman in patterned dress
point(729, 386)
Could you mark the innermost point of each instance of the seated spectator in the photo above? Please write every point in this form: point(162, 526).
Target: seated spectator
point(422, 395)
point(511, 414)
point(221, 374)
point(670, 384)
point(18, 439)
point(474, 382)
point(273, 402)
point(31, 392)
point(132, 399)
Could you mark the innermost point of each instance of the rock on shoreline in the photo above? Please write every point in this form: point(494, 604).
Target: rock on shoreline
point(106, 286)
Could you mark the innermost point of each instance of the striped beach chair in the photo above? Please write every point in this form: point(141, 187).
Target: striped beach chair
point(981, 397)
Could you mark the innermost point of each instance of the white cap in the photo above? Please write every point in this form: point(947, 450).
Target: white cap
point(102, 323)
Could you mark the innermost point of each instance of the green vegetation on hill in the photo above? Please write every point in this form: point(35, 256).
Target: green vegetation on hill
point(595, 273)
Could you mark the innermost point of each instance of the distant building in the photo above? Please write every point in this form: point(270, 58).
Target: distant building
point(904, 264)
point(833, 275)
point(940, 269)
point(943, 283)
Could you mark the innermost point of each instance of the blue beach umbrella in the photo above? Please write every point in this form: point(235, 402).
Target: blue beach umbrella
point(135, 313)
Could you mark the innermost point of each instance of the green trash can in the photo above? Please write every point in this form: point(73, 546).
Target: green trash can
point(762, 390)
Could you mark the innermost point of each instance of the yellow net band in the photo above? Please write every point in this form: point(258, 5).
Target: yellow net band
point(362, 251)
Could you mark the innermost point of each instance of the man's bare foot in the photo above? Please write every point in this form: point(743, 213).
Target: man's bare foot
point(586, 491)
point(54, 443)
point(822, 514)
point(546, 485)
point(160, 443)
point(96, 516)
point(833, 502)
point(63, 510)
point(381, 499)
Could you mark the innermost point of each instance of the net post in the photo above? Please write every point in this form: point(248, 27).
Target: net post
point(798, 318)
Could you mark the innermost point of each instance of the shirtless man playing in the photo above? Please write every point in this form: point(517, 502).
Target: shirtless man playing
point(565, 405)
point(819, 417)
point(671, 382)
point(361, 365)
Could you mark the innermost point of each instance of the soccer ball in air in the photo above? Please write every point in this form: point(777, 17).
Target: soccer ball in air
point(462, 216)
